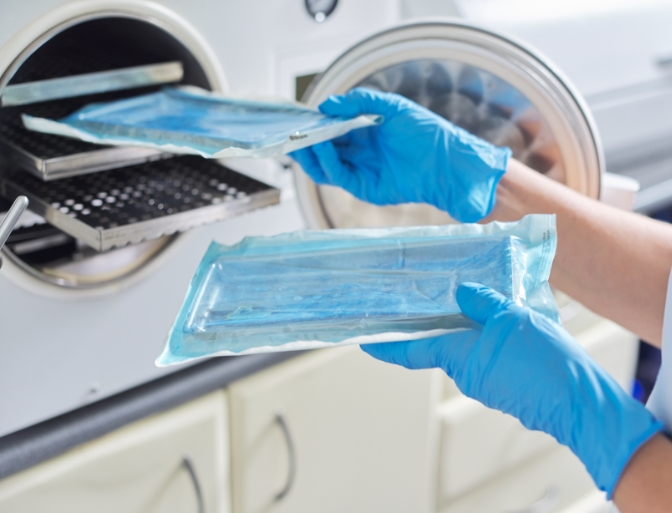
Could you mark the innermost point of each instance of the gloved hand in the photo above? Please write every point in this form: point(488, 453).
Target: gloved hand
point(414, 156)
point(525, 365)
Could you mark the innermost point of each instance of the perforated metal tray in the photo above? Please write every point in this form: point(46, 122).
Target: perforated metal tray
point(91, 83)
point(51, 157)
point(140, 202)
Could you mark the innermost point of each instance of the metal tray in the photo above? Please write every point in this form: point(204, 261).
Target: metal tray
point(51, 157)
point(140, 202)
point(91, 83)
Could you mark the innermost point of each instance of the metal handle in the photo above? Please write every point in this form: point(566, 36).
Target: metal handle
point(546, 504)
point(188, 464)
point(11, 218)
point(291, 454)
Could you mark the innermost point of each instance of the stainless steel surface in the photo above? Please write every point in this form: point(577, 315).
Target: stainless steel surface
point(143, 202)
point(11, 218)
point(81, 47)
point(87, 49)
point(484, 82)
point(91, 83)
point(51, 157)
point(77, 163)
point(291, 454)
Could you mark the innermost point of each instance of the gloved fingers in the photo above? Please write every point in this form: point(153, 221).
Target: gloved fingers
point(337, 173)
point(308, 161)
point(359, 101)
point(479, 302)
point(426, 353)
point(405, 354)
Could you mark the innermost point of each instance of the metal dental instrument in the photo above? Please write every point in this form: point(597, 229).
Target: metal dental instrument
point(10, 220)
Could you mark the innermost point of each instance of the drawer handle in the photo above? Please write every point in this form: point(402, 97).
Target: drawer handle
point(546, 504)
point(291, 454)
point(188, 464)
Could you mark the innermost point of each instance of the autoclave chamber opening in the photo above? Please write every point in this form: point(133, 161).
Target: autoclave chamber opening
point(91, 45)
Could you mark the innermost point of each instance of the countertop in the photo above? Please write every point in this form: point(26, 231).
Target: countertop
point(35, 444)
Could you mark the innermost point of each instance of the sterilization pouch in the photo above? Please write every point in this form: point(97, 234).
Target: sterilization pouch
point(313, 289)
point(192, 120)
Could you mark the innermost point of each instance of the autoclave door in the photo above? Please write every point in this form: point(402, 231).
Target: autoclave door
point(492, 86)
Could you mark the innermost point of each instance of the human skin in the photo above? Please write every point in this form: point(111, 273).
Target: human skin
point(616, 263)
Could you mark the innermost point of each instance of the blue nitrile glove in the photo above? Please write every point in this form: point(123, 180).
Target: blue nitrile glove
point(414, 156)
point(525, 365)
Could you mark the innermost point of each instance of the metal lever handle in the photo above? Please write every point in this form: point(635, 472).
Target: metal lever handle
point(188, 464)
point(11, 218)
point(291, 454)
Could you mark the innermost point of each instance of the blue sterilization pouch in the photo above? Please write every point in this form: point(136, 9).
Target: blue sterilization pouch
point(315, 289)
point(191, 120)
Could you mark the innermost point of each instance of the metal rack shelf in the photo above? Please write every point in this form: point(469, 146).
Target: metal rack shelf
point(51, 157)
point(140, 202)
point(91, 83)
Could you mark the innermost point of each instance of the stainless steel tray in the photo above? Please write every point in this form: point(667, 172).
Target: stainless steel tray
point(140, 202)
point(51, 157)
point(91, 83)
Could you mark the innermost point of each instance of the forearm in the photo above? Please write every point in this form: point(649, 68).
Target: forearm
point(616, 263)
point(645, 483)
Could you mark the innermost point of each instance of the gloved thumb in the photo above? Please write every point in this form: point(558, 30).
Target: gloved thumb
point(359, 101)
point(479, 302)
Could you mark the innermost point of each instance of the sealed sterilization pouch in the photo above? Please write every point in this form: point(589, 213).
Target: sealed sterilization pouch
point(192, 120)
point(315, 289)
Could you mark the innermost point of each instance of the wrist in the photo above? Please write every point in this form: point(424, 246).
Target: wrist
point(644, 483)
point(475, 169)
point(607, 426)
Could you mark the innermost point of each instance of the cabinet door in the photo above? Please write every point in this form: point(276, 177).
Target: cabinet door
point(545, 484)
point(139, 468)
point(361, 436)
point(478, 443)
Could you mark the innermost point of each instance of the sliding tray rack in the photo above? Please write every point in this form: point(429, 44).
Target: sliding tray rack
point(140, 202)
point(65, 75)
point(52, 157)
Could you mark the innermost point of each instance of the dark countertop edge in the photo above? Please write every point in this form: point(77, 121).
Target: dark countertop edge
point(35, 444)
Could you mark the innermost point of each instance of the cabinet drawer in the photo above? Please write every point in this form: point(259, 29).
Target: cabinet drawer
point(139, 468)
point(358, 435)
point(545, 484)
point(477, 443)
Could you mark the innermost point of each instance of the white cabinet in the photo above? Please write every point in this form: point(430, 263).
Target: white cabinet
point(137, 469)
point(478, 443)
point(361, 430)
point(544, 485)
point(337, 431)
